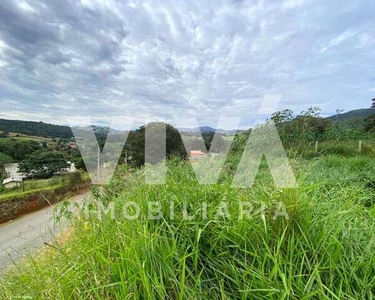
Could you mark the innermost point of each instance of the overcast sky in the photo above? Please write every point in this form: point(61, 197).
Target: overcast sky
point(137, 61)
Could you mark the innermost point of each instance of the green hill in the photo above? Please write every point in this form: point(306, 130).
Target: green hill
point(40, 130)
point(361, 114)
point(36, 128)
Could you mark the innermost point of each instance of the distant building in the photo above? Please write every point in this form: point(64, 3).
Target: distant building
point(72, 167)
point(12, 182)
point(196, 154)
point(373, 104)
point(73, 145)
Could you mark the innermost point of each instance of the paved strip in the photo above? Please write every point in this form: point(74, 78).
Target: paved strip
point(28, 234)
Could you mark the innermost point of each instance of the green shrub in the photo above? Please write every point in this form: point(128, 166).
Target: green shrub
point(4, 158)
point(343, 148)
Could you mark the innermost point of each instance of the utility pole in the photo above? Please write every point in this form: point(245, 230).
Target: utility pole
point(98, 162)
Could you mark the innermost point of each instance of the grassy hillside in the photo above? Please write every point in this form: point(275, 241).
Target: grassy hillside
point(360, 114)
point(325, 250)
point(46, 132)
point(39, 129)
point(16, 135)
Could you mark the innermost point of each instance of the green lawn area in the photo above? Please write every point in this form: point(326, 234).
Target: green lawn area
point(19, 194)
point(27, 137)
point(227, 137)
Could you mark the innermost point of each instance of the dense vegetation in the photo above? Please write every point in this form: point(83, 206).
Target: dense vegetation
point(18, 149)
point(370, 124)
point(43, 164)
point(36, 128)
point(309, 126)
point(360, 114)
point(298, 132)
point(135, 145)
point(4, 158)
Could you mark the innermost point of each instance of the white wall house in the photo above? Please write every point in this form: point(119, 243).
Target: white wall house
point(12, 182)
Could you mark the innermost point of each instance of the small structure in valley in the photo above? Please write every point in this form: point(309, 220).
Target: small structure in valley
point(196, 154)
point(12, 182)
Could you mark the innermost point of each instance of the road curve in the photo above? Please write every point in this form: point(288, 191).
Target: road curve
point(28, 234)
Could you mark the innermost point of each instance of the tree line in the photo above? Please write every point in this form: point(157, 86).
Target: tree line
point(37, 161)
point(36, 129)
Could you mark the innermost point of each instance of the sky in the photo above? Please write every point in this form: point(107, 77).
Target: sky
point(125, 63)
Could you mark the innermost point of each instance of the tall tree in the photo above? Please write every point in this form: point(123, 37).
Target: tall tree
point(136, 143)
point(43, 164)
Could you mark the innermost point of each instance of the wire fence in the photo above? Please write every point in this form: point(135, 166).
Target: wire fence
point(340, 147)
point(68, 180)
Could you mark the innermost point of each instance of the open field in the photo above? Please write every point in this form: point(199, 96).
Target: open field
point(325, 250)
point(24, 137)
point(228, 137)
point(27, 137)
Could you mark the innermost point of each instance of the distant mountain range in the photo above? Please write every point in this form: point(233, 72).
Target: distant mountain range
point(59, 131)
point(101, 130)
point(361, 114)
point(65, 132)
point(209, 129)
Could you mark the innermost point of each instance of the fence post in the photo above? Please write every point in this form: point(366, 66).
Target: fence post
point(360, 146)
point(316, 146)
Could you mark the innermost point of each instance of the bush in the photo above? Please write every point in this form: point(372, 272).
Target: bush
point(4, 158)
point(370, 124)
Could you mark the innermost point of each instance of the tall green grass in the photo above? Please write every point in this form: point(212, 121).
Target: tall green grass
point(347, 148)
point(324, 251)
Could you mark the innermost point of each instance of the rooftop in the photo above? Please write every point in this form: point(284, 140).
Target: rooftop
point(12, 179)
point(197, 152)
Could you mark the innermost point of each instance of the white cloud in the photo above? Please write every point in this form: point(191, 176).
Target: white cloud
point(290, 4)
point(160, 59)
